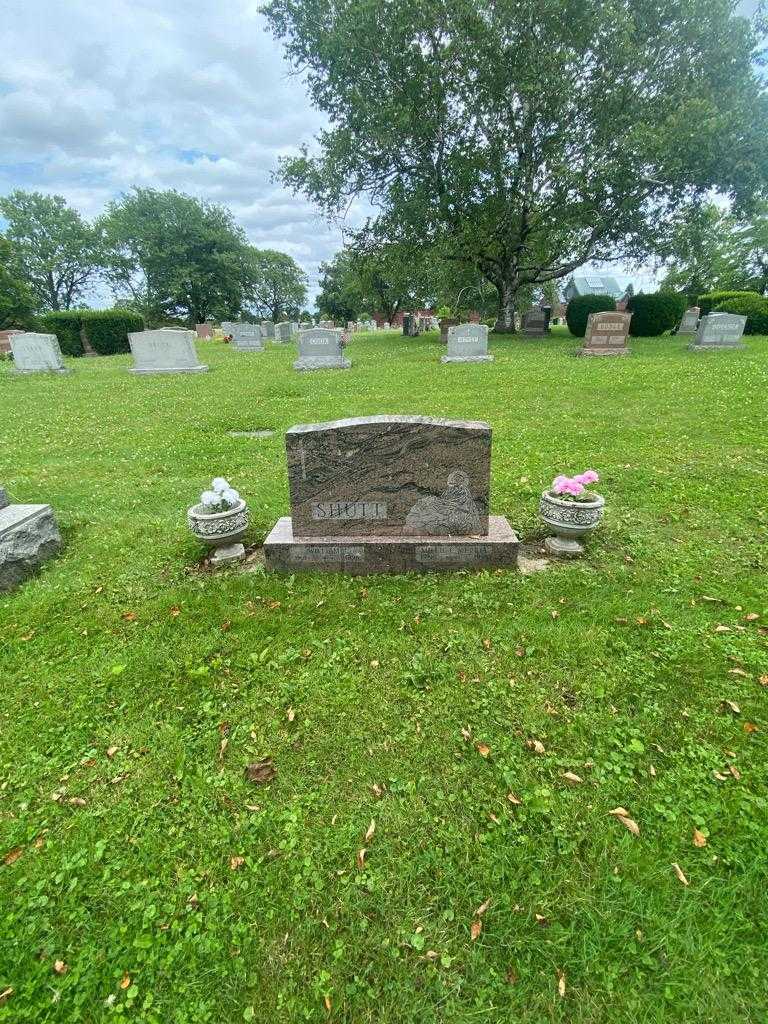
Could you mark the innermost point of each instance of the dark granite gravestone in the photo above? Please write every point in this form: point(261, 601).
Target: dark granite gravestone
point(690, 321)
point(719, 330)
point(606, 334)
point(535, 323)
point(390, 494)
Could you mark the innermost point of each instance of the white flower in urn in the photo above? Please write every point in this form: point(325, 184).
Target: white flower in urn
point(220, 520)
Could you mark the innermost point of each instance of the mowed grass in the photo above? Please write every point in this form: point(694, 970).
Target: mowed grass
point(137, 688)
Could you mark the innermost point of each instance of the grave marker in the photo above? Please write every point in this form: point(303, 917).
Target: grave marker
point(390, 494)
point(282, 332)
point(535, 323)
point(246, 337)
point(164, 351)
point(719, 330)
point(321, 349)
point(690, 321)
point(37, 353)
point(467, 343)
point(606, 334)
point(29, 535)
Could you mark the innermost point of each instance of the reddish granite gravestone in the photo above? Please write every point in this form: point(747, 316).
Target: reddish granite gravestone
point(204, 330)
point(606, 335)
point(390, 494)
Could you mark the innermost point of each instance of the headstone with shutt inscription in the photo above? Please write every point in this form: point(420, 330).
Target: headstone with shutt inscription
point(164, 351)
point(719, 330)
point(606, 334)
point(321, 349)
point(37, 353)
point(467, 343)
point(690, 321)
point(390, 494)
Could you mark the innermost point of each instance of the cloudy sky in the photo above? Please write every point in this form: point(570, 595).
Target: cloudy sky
point(99, 95)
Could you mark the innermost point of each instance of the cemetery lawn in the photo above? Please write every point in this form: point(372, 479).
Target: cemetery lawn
point(143, 878)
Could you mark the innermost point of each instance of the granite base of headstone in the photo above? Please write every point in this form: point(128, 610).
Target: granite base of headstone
point(467, 343)
point(719, 331)
point(690, 321)
point(606, 334)
point(29, 536)
point(164, 351)
point(390, 494)
point(321, 349)
point(37, 353)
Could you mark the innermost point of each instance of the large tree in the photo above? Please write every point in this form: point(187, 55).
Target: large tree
point(383, 279)
point(277, 286)
point(17, 304)
point(527, 137)
point(55, 251)
point(699, 253)
point(170, 254)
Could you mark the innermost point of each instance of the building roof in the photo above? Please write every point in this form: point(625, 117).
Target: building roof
point(592, 283)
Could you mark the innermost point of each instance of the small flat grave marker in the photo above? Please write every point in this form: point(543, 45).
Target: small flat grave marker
point(164, 351)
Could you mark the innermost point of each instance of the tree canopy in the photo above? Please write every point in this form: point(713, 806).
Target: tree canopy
point(276, 286)
point(527, 137)
point(55, 251)
point(17, 304)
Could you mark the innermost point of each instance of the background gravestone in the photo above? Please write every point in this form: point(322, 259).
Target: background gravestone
point(535, 323)
point(267, 328)
point(321, 349)
point(164, 351)
point(690, 321)
point(390, 494)
point(719, 330)
point(327, 325)
point(467, 343)
point(282, 332)
point(37, 353)
point(246, 337)
point(606, 334)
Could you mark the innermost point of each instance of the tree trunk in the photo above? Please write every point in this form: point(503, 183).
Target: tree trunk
point(505, 321)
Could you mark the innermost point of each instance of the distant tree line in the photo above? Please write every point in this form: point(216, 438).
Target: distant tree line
point(163, 254)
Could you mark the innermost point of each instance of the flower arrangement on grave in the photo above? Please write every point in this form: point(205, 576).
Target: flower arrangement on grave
point(220, 520)
point(571, 511)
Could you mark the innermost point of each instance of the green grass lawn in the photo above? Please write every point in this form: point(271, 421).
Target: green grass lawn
point(136, 689)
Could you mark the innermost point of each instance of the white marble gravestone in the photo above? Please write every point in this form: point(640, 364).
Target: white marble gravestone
point(690, 321)
point(164, 351)
point(719, 330)
point(467, 343)
point(246, 337)
point(37, 353)
point(321, 349)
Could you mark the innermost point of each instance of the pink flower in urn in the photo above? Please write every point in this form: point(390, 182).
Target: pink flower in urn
point(572, 487)
point(589, 476)
point(558, 483)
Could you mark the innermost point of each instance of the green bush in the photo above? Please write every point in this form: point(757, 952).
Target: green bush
point(707, 303)
point(106, 330)
point(655, 313)
point(579, 308)
point(754, 307)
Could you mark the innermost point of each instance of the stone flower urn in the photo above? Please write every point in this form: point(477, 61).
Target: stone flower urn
point(221, 531)
point(569, 521)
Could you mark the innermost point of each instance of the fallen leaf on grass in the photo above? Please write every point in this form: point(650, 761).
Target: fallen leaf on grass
point(723, 629)
point(290, 714)
point(729, 705)
point(699, 839)
point(475, 928)
point(483, 907)
point(541, 920)
point(76, 801)
point(763, 680)
point(734, 771)
point(175, 612)
point(751, 617)
point(360, 859)
point(513, 799)
point(370, 831)
point(5, 995)
point(750, 727)
point(511, 976)
point(261, 771)
point(236, 862)
point(466, 734)
point(679, 872)
point(60, 967)
point(129, 616)
point(377, 790)
point(738, 672)
point(13, 855)
point(226, 626)
point(561, 984)
point(111, 751)
point(327, 1003)
point(125, 981)
point(483, 750)
point(573, 778)
point(223, 747)
point(536, 746)
point(623, 816)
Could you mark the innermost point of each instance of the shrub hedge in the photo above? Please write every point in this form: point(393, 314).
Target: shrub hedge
point(581, 306)
point(106, 330)
point(707, 303)
point(753, 306)
point(655, 313)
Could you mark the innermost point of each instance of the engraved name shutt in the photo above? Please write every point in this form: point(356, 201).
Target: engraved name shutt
point(348, 510)
point(327, 553)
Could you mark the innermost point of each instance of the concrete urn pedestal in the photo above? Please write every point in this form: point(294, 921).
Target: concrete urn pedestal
point(570, 521)
point(220, 531)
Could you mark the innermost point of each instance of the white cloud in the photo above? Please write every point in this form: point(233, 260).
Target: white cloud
point(195, 96)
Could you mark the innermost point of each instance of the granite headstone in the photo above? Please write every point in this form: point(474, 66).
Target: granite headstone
point(606, 334)
point(719, 330)
point(321, 349)
point(246, 337)
point(29, 535)
point(37, 353)
point(467, 343)
point(690, 321)
point(164, 351)
point(282, 332)
point(535, 323)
